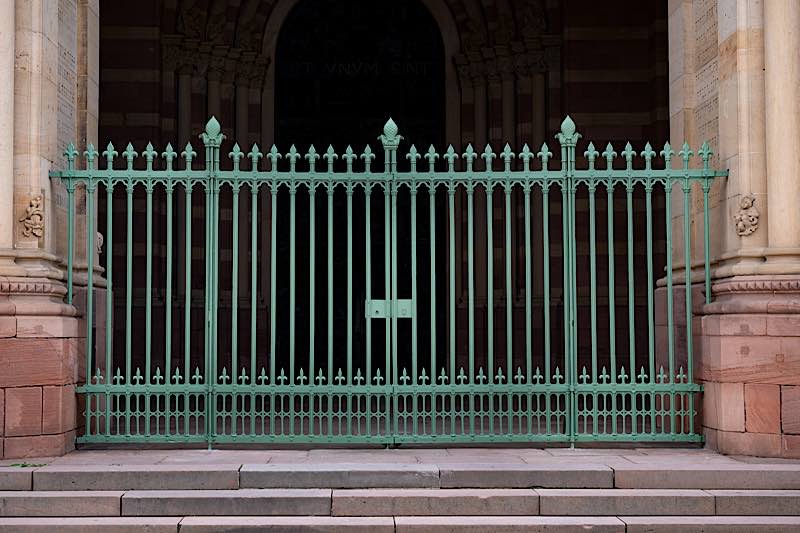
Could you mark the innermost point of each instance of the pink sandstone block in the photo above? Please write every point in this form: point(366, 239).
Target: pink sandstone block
point(790, 409)
point(783, 325)
point(23, 407)
point(791, 446)
point(58, 409)
point(39, 445)
point(757, 444)
point(2, 415)
point(740, 359)
point(47, 326)
point(762, 408)
point(723, 406)
point(8, 326)
point(730, 325)
point(32, 362)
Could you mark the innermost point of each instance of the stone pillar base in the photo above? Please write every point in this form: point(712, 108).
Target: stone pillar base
point(750, 366)
point(39, 369)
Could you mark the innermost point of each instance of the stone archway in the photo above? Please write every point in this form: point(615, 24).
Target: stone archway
point(451, 42)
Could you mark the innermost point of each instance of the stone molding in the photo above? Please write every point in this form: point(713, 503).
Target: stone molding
point(33, 297)
point(755, 294)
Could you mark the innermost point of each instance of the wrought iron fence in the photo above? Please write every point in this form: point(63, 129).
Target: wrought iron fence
point(336, 304)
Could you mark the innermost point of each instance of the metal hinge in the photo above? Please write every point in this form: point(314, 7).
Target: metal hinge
point(388, 308)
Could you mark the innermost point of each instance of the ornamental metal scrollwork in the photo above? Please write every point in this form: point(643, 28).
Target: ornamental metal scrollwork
point(33, 221)
point(746, 219)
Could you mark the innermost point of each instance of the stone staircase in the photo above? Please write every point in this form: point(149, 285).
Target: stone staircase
point(562, 496)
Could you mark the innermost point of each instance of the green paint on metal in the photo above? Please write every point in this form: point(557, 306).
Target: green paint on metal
point(516, 391)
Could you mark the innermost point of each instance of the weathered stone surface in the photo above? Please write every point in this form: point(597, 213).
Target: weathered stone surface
point(508, 524)
point(132, 477)
point(38, 361)
point(286, 524)
point(58, 409)
point(711, 524)
point(23, 411)
point(783, 325)
point(341, 475)
point(757, 502)
point(16, 478)
point(613, 502)
point(241, 502)
point(723, 406)
point(39, 445)
point(115, 524)
point(762, 408)
point(736, 443)
point(790, 409)
point(426, 502)
point(569, 475)
point(60, 503)
point(708, 476)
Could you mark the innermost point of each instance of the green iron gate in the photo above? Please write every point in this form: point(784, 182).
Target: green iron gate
point(439, 298)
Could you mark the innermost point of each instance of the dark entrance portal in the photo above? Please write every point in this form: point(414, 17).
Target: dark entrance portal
point(342, 68)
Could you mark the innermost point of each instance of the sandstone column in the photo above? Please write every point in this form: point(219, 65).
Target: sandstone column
point(782, 66)
point(7, 127)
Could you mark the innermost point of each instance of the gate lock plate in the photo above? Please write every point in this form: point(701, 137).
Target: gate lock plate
point(388, 308)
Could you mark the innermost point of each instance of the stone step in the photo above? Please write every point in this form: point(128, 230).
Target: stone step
point(757, 502)
point(526, 476)
point(240, 502)
point(136, 477)
point(398, 502)
point(16, 478)
point(60, 503)
point(342, 475)
point(287, 524)
point(90, 525)
point(401, 524)
point(784, 476)
point(616, 502)
point(708, 476)
point(508, 524)
point(711, 524)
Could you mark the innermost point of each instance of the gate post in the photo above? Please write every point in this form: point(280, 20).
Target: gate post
point(212, 138)
point(568, 138)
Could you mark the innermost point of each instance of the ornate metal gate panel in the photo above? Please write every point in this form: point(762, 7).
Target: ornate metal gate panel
point(451, 297)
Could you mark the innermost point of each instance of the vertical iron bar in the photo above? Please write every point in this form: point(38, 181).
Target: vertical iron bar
point(432, 209)
point(650, 296)
point(631, 295)
point(235, 289)
point(168, 290)
point(509, 297)
point(273, 243)
point(612, 331)
point(109, 295)
point(489, 286)
point(413, 193)
point(187, 318)
point(148, 291)
point(670, 304)
point(349, 285)
point(528, 287)
point(292, 282)
point(312, 229)
point(368, 278)
point(687, 251)
point(546, 262)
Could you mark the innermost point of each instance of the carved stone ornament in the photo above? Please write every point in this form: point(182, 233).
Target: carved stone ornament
point(33, 221)
point(746, 219)
point(98, 243)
